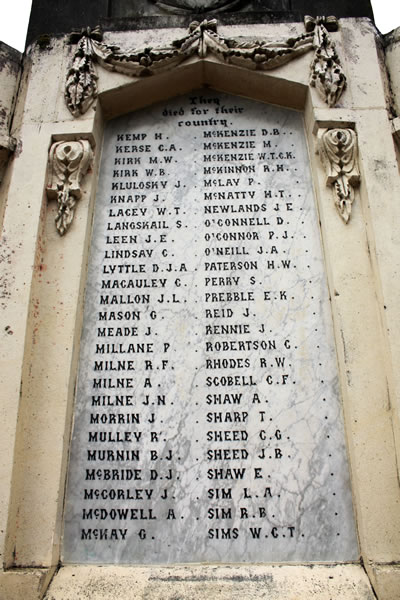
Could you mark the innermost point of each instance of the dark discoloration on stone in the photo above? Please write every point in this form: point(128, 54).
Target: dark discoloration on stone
point(43, 41)
point(200, 578)
point(6, 279)
point(54, 18)
point(3, 117)
point(9, 58)
point(10, 63)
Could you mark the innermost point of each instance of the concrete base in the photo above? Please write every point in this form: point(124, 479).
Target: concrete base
point(198, 582)
point(25, 584)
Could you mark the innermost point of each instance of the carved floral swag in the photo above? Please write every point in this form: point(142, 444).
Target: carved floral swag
point(327, 75)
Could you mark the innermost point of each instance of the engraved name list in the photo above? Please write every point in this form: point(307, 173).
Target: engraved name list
point(208, 420)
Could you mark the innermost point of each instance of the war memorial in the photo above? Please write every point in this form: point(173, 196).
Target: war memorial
point(200, 282)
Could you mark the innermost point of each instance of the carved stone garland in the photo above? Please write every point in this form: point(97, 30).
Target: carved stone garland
point(339, 154)
point(202, 39)
point(68, 163)
point(327, 75)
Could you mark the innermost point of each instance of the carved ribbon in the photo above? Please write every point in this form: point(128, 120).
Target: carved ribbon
point(68, 163)
point(339, 154)
point(201, 40)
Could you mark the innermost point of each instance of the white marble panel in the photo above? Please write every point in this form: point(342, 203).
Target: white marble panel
point(208, 423)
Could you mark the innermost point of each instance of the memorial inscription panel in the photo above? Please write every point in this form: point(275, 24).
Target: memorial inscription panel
point(208, 421)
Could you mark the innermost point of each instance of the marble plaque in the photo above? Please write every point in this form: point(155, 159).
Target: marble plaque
point(208, 423)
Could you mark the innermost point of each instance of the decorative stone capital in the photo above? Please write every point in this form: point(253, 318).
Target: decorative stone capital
point(338, 150)
point(68, 163)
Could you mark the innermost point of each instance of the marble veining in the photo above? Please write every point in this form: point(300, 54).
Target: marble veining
point(208, 423)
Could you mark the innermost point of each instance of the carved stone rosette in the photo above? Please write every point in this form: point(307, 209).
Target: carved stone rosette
point(68, 163)
point(203, 39)
point(339, 154)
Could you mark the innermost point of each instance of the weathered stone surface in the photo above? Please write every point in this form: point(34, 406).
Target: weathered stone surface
point(347, 582)
point(10, 60)
point(123, 15)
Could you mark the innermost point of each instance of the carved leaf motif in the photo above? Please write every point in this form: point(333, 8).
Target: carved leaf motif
point(339, 155)
point(327, 75)
point(85, 79)
point(81, 85)
point(76, 93)
point(68, 163)
point(65, 214)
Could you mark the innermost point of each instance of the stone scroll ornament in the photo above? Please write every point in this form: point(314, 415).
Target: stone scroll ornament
point(339, 154)
point(68, 163)
point(202, 40)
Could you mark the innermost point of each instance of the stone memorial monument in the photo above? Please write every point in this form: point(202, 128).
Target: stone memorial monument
point(199, 293)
